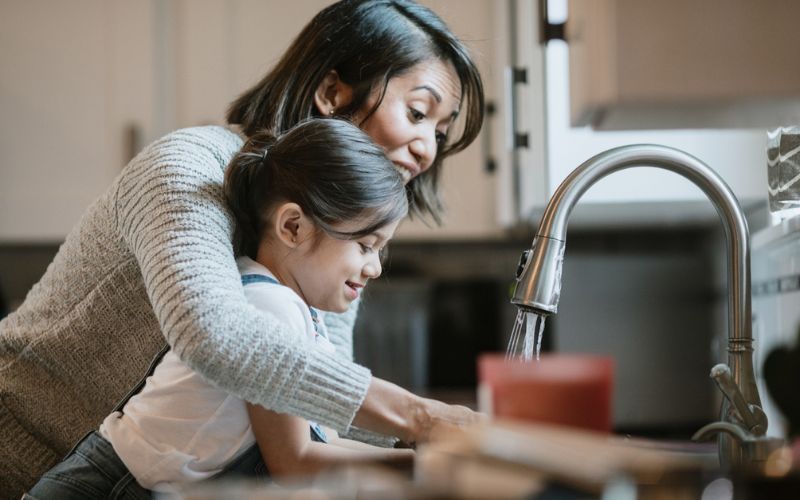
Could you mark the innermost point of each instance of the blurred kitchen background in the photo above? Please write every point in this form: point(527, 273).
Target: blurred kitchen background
point(87, 83)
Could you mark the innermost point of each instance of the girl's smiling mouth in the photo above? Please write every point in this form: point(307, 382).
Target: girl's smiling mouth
point(353, 287)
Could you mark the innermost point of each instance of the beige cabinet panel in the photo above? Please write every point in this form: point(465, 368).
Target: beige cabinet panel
point(77, 80)
point(683, 63)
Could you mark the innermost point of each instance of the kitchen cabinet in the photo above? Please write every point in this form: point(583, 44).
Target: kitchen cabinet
point(639, 196)
point(494, 184)
point(78, 82)
point(534, 146)
point(647, 196)
point(85, 86)
point(683, 63)
point(99, 79)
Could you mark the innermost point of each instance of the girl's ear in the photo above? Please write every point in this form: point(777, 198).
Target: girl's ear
point(291, 225)
point(332, 94)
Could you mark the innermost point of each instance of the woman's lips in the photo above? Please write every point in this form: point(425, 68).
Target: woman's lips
point(407, 170)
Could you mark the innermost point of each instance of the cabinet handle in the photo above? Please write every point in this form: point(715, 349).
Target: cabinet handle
point(547, 30)
point(517, 76)
point(132, 141)
point(490, 163)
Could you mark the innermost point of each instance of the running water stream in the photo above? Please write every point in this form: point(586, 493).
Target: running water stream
point(531, 341)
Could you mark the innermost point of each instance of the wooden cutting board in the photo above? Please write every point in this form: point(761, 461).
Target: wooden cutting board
point(524, 456)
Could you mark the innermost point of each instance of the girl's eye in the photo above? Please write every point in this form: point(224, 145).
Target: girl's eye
point(441, 137)
point(365, 248)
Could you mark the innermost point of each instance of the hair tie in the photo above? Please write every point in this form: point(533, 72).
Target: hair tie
point(264, 156)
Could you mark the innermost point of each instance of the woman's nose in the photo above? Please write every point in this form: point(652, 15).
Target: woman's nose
point(424, 150)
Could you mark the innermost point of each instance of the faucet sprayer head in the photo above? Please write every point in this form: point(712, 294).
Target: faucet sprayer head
point(539, 276)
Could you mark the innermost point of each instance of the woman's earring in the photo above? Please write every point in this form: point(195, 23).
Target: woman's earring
point(332, 111)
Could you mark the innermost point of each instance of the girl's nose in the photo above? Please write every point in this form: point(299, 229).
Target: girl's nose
point(373, 268)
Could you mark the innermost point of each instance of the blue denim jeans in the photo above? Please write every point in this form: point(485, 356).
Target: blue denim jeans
point(91, 470)
point(94, 470)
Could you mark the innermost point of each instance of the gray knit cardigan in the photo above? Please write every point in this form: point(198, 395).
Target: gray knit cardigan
point(151, 260)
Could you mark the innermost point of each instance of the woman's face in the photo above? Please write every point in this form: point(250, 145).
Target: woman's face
point(415, 115)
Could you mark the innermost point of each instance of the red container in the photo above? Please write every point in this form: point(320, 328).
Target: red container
point(566, 389)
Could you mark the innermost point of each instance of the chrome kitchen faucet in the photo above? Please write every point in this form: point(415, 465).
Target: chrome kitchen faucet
point(539, 281)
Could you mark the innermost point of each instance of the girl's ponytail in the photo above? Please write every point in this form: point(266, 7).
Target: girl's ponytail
point(248, 173)
point(329, 167)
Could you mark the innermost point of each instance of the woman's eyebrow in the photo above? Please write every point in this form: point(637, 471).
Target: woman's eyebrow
point(436, 95)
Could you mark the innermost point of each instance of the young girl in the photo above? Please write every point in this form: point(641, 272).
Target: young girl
point(314, 208)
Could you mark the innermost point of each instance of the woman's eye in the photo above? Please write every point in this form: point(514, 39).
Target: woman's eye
point(416, 114)
point(365, 248)
point(441, 137)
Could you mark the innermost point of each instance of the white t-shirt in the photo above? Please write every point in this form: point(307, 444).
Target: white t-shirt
point(180, 428)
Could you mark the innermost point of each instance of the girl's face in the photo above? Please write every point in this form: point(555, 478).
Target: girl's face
point(330, 273)
point(415, 115)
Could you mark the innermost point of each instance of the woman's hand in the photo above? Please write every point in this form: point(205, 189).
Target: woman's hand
point(437, 418)
point(392, 410)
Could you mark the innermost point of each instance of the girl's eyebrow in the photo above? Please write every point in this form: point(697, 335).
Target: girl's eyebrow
point(380, 236)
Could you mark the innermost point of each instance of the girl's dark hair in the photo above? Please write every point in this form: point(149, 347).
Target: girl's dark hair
point(367, 42)
point(330, 168)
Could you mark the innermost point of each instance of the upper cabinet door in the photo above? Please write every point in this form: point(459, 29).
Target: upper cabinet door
point(683, 63)
point(77, 87)
point(638, 196)
point(478, 187)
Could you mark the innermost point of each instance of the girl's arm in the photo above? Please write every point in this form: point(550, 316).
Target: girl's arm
point(289, 452)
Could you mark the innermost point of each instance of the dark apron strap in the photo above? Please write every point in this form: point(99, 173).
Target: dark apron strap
point(138, 387)
point(260, 278)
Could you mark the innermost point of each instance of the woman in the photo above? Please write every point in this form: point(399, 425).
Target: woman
point(152, 258)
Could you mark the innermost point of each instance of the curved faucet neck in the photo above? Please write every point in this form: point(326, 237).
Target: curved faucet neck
point(554, 221)
point(539, 275)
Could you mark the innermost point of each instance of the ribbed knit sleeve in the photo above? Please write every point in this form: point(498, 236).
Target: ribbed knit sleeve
point(170, 210)
point(340, 329)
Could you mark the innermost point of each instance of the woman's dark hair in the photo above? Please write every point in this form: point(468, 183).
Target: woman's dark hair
point(330, 168)
point(367, 42)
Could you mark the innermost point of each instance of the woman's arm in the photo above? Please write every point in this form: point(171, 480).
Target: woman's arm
point(340, 329)
point(390, 409)
point(289, 452)
point(171, 212)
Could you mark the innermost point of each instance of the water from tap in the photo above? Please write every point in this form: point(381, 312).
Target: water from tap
point(529, 340)
point(533, 326)
point(541, 334)
point(513, 340)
